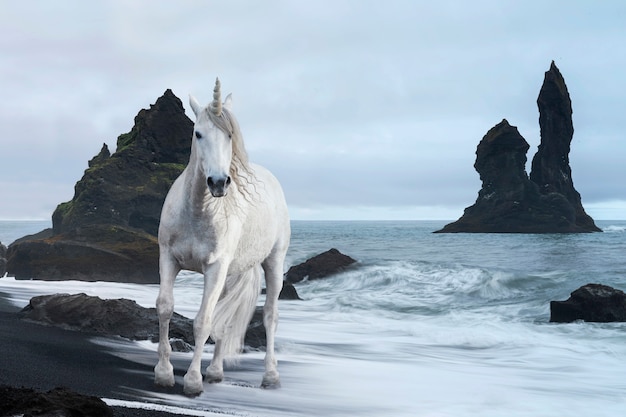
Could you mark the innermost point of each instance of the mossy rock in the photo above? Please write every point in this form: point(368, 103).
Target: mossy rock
point(108, 230)
point(128, 188)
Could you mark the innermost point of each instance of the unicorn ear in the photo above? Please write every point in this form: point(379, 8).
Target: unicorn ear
point(228, 103)
point(195, 106)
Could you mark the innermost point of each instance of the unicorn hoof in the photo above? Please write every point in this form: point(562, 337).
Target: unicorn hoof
point(213, 379)
point(271, 381)
point(164, 375)
point(213, 376)
point(193, 384)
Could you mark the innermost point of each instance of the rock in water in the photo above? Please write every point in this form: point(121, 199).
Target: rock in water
point(511, 202)
point(107, 232)
point(591, 302)
point(288, 292)
point(550, 166)
point(320, 266)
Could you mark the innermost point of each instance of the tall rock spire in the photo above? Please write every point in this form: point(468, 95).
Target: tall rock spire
point(550, 166)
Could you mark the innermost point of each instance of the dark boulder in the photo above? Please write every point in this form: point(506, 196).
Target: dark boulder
point(114, 317)
point(121, 317)
point(108, 230)
point(592, 303)
point(288, 292)
point(320, 266)
point(255, 333)
point(59, 402)
point(512, 202)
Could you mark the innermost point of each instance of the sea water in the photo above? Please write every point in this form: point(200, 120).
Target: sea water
point(423, 325)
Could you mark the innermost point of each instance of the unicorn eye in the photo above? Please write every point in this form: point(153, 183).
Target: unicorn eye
point(198, 135)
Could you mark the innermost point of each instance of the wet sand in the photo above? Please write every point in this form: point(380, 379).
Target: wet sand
point(42, 358)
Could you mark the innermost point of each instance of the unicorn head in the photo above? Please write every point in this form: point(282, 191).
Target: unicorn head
point(213, 140)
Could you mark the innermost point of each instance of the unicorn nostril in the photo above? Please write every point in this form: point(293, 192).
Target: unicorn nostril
point(228, 180)
point(209, 181)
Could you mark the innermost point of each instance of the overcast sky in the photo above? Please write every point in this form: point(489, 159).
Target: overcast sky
point(363, 109)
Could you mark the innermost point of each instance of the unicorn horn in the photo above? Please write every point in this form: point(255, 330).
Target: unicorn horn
point(216, 105)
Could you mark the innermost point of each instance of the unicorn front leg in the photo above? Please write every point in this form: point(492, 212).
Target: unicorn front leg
point(163, 371)
point(274, 283)
point(214, 279)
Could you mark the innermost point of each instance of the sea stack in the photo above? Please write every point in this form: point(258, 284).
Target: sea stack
point(108, 231)
point(512, 202)
point(550, 167)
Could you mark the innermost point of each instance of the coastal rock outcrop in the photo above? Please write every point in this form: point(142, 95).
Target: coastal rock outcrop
point(3, 260)
point(512, 202)
point(319, 266)
point(550, 166)
point(592, 303)
point(114, 317)
point(58, 402)
point(120, 317)
point(288, 292)
point(108, 230)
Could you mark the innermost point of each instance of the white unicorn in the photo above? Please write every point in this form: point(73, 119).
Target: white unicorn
point(227, 219)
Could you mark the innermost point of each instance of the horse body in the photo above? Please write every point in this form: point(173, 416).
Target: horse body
point(226, 219)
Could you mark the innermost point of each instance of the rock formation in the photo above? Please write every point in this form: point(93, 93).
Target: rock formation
point(591, 302)
point(550, 166)
point(3, 260)
point(58, 402)
point(288, 292)
point(108, 230)
point(320, 266)
point(120, 317)
point(115, 317)
point(512, 202)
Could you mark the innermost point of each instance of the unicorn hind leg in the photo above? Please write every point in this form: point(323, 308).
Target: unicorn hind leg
point(163, 371)
point(215, 371)
point(273, 267)
point(231, 318)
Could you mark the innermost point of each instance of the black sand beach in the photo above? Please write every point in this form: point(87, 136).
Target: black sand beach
point(42, 358)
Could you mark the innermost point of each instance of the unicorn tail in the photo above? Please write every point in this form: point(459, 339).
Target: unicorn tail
point(234, 310)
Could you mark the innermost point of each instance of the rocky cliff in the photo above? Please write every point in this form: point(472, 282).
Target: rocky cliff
point(512, 202)
point(108, 230)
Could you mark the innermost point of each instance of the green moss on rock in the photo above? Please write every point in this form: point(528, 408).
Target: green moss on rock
point(108, 230)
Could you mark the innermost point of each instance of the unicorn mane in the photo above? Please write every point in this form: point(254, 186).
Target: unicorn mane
point(240, 171)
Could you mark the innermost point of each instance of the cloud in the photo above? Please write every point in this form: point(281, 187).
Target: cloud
point(352, 103)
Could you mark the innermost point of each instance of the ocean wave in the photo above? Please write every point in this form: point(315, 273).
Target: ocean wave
point(614, 228)
point(405, 287)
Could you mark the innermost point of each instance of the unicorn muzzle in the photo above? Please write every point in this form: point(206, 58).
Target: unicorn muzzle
point(218, 186)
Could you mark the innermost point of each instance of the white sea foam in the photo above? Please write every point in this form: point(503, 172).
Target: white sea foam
point(163, 408)
point(614, 228)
